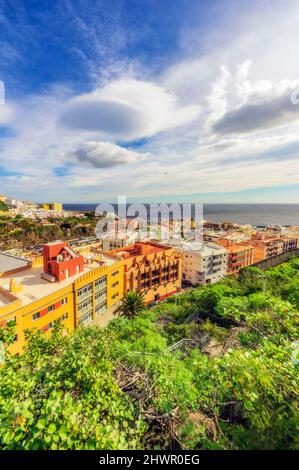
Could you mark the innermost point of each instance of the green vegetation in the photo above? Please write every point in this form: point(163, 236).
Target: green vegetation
point(154, 381)
point(19, 232)
point(131, 305)
point(3, 207)
point(7, 334)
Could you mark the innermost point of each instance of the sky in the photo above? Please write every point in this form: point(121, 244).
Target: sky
point(157, 100)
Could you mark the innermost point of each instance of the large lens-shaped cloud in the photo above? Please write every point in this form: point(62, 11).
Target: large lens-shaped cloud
point(106, 116)
point(126, 109)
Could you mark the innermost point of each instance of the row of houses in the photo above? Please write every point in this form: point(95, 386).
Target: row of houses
point(84, 285)
point(64, 285)
point(218, 257)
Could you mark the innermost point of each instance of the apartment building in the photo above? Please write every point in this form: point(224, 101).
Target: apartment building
point(119, 241)
point(203, 263)
point(151, 268)
point(289, 244)
point(52, 206)
point(238, 255)
point(265, 246)
point(64, 288)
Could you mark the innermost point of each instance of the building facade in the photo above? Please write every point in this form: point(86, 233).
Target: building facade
point(203, 264)
point(52, 206)
point(151, 268)
point(238, 255)
point(119, 241)
point(83, 298)
point(289, 244)
point(265, 247)
point(61, 262)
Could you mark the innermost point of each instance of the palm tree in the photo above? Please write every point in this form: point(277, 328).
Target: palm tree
point(132, 304)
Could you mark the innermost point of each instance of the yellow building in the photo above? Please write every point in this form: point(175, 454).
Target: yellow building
point(53, 206)
point(2, 198)
point(56, 206)
point(88, 297)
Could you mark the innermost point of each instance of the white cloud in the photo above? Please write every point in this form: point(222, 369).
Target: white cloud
point(239, 85)
point(105, 154)
point(262, 104)
point(217, 99)
point(127, 109)
point(6, 113)
point(262, 112)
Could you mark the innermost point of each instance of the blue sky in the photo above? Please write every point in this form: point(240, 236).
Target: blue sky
point(155, 100)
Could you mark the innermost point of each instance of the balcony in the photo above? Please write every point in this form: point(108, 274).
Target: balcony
point(85, 296)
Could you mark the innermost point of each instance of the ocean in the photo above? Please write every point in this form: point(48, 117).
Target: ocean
point(255, 214)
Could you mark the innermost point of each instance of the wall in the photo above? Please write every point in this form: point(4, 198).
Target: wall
point(24, 315)
point(114, 285)
point(144, 264)
point(275, 260)
point(65, 303)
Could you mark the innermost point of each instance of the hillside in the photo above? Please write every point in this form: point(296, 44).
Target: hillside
point(224, 378)
point(20, 232)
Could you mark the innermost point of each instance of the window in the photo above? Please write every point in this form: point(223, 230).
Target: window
point(84, 304)
point(51, 308)
point(52, 323)
point(64, 301)
point(115, 273)
point(35, 316)
point(101, 293)
point(115, 295)
point(100, 282)
point(85, 290)
point(101, 308)
point(115, 284)
point(86, 319)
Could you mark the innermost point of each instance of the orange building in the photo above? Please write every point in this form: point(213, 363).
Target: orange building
point(239, 255)
point(151, 268)
point(265, 246)
point(289, 244)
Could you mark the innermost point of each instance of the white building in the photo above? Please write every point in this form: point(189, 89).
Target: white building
point(121, 240)
point(203, 263)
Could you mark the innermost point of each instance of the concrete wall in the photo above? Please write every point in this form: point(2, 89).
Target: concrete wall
point(275, 260)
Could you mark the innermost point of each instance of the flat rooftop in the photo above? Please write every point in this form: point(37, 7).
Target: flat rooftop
point(10, 263)
point(237, 248)
point(35, 288)
point(205, 249)
point(4, 300)
point(139, 249)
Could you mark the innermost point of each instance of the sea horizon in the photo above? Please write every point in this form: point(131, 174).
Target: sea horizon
point(256, 214)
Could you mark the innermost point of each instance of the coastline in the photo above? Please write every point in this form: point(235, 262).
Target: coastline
point(257, 215)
